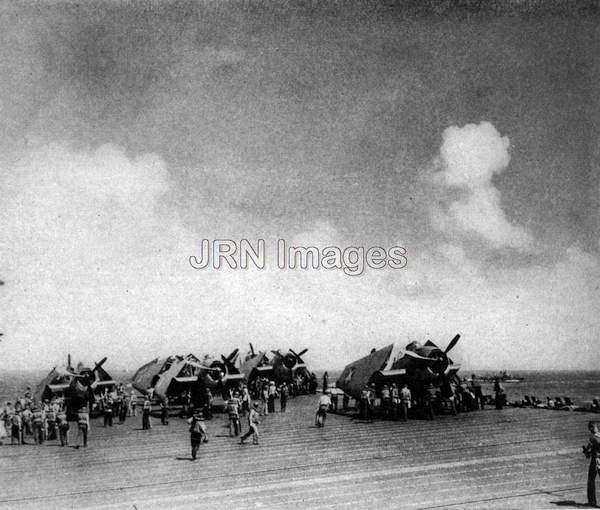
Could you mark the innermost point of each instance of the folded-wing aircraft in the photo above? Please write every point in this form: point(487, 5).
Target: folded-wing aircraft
point(416, 365)
point(79, 386)
point(171, 377)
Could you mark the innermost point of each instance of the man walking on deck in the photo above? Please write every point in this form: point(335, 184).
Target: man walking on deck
point(252, 425)
point(197, 432)
point(323, 406)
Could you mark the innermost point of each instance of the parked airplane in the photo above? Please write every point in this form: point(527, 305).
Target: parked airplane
point(171, 377)
point(79, 386)
point(278, 368)
point(416, 365)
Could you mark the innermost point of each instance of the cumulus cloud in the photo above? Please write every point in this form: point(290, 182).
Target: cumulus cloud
point(87, 250)
point(469, 158)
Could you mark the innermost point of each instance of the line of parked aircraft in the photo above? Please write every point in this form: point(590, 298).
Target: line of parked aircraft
point(176, 375)
point(417, 365)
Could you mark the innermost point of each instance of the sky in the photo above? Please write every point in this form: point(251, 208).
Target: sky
point(132, 131)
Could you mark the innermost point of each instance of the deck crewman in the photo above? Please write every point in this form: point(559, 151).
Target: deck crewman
point(405, 401)
point(233, 407)
point(132, 403)
point(386, 401)
point(83, 425)
point(27, 417)
point(431, 397)
point(51, 423)
point(16, 427)
point(252, 425)
point(283, 396)
point(38, 421)
point(146, 409)
point(271, 396)
point(197, 432)
point(323, 406)
point(108, 411)
point(245, 400)
point(592, 451)
point(63, 427)
point(164, 411)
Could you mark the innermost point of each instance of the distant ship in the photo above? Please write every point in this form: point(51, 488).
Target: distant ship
point(503, 376)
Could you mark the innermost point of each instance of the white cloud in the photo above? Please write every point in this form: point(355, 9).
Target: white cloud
point(469, 157)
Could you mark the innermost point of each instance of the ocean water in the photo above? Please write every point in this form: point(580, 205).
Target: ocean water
point(581, 386)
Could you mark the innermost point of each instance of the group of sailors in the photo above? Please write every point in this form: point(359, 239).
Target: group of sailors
point(239, 404)
point(117, 403)
point(302, 383)
point(395, 401)
point(44, 421)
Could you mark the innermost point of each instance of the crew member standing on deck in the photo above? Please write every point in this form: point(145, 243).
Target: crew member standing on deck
point(431, 398)
point(271, 396)
point(476, 388)
point(283, 396)
point(264, 395)
point(499, 393)
point(132, 403)
point(164, 411)
point(233, 407)
point(16, 426)
point(83, 424)
point(386, 401)
point(405, 401)
point(39, 423)
point(146, 423)
point(592, 451)
point(108, 410)
point(63, 427)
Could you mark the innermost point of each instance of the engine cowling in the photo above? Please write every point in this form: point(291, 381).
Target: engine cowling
point(289, 361)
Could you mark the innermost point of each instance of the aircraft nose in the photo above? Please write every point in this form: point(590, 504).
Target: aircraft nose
point(441, 363)
point(289, 361)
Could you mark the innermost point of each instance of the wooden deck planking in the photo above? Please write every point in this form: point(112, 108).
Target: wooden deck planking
point(486, 459)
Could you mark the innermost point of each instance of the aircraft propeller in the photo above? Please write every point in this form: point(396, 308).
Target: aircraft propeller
point(452, 343)
point(231, 357)
point(299, 355)
point(99, 364)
